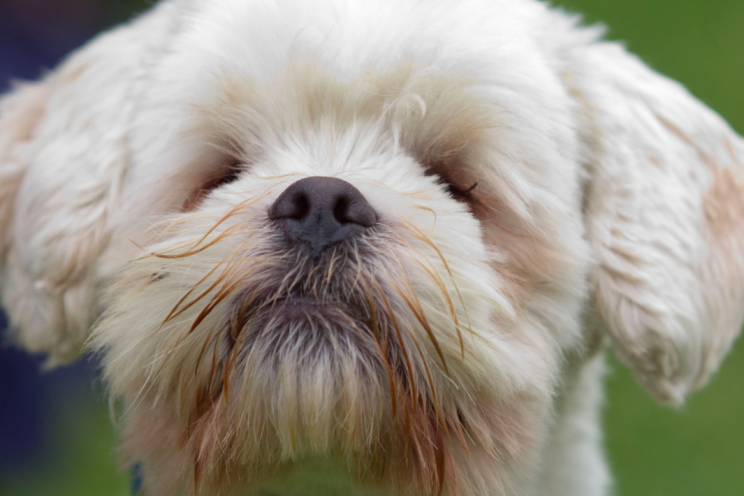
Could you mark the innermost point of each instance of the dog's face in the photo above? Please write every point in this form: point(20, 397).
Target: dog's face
point(313, 237)
point(347, 269)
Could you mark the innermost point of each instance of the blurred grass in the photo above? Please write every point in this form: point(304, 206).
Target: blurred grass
point(695, 451)
point(697, 42)
point(81, 460)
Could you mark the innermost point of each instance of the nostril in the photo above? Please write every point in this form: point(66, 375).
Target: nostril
point(340, 211)
point(292, 206)
point(301, 207)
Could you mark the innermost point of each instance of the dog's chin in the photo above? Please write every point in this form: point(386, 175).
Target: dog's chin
point(321, 356)
point(311, 378)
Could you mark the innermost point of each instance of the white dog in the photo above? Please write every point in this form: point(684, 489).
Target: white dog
point(368, 247)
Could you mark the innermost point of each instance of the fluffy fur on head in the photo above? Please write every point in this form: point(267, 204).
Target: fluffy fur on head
point(534, 190)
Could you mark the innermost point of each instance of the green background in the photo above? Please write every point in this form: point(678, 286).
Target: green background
point(697, 450)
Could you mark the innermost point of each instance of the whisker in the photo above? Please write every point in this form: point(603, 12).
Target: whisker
point(418, 312)
point(433, 245)
point(401, 342)
point(203, 348)
point(382, 344)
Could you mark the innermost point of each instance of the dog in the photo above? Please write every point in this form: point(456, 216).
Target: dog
point(349, 247)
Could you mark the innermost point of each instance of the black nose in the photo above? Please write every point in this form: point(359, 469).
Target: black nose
point(322, 211)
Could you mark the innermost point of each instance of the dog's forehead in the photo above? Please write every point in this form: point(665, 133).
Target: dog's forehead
point(351, 37)
point(361, 60)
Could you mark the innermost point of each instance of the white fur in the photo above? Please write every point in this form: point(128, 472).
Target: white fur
point(610, 203)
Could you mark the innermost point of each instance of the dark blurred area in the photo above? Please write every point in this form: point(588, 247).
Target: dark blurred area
point(56, 437)
point(36, 34)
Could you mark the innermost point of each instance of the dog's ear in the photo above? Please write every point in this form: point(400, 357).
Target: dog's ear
point(664, 210)
point(63, 157)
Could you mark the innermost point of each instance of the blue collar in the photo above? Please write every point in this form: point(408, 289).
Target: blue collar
point(135, 479)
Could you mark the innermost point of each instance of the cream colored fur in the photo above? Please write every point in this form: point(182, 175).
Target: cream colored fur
point(460, 346)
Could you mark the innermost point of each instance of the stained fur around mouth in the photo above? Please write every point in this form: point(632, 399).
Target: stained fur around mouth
point(325, 305)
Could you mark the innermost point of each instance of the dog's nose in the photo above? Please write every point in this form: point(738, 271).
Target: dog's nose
point(322, 211)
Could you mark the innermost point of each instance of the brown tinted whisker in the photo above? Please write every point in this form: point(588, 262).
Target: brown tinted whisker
point(433, 245)
point(329, 272)
point(216, 300)
point(231, 265)
point(194, 251)
point(203, 348)
point(381, 343)
point(415, 306)
point(175, 309)
point(432, 211)
point(234, 210)
point(432, 390)
point(401, 342)
point(224, 275)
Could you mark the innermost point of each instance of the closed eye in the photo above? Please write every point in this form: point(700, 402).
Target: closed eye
point(461, 194)
point(227, 175)
point(230, 176)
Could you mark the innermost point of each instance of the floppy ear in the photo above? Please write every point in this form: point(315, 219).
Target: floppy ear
point(665, 214)
point(63, 156)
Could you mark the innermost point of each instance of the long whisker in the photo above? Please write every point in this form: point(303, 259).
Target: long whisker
point(417, 232)
point(401, 342)
point(234, 210)
point(415, 305)
point(381, 342)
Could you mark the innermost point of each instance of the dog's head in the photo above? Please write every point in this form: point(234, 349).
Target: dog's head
point(313, 236)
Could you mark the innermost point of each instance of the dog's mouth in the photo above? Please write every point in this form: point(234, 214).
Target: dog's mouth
point(315, 322)
point(299, 307)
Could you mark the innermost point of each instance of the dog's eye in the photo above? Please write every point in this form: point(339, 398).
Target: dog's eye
point(228, 175)
point(464, 195)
